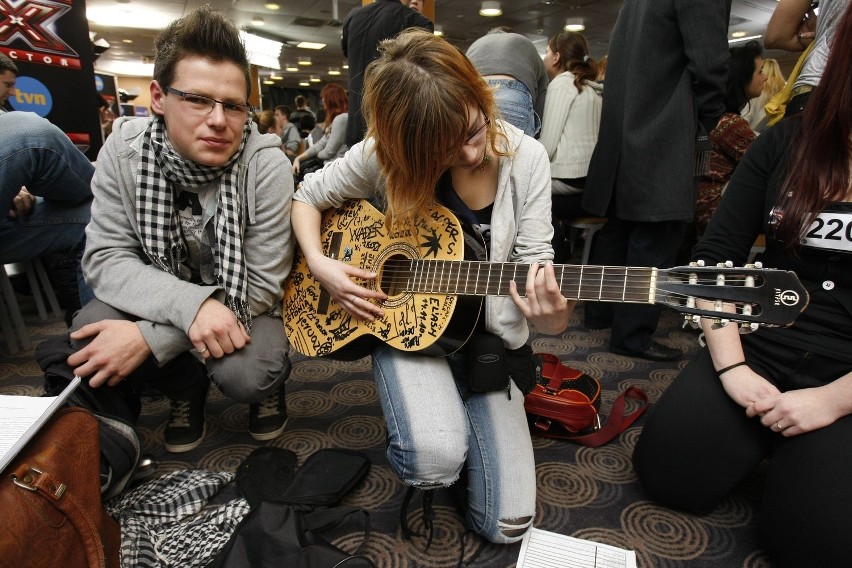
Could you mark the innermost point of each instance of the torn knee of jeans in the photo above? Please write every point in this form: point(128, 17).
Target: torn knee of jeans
point(515, 527)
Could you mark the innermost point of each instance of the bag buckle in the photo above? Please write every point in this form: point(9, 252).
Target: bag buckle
point(30, 478)
point(597, 422)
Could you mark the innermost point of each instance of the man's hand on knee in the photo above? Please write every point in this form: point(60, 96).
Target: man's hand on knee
point(216, 331)
point(117, 349)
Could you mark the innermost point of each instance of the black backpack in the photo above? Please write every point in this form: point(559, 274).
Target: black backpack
point(116, 408)
point(290, 510)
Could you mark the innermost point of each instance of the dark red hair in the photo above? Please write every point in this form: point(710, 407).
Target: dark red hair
point(819, 162)
point(335, 100)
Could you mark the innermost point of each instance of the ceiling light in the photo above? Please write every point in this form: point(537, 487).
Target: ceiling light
point(315, 79)
point(334, 70)
point(127, 41)
point(746, 38)
point(290, 67)
point(272, 6)
point(738, 34)
point(304, 61)
point(276, 77)
point(574, 25)
point(490, 9)
point(439, 30)
point(119, 16)
point(269, 82)
point(257, 21)
point(310, 45)
point(304, 84)
point(346, 66)
point(261, 51)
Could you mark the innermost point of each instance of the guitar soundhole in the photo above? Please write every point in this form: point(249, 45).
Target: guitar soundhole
point(395, 275)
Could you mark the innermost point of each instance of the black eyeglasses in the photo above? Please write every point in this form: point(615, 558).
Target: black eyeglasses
point(202, 104)
point(479, 130)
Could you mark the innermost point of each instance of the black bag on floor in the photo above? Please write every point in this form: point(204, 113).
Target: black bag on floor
point(116, 408)
point(289, 511)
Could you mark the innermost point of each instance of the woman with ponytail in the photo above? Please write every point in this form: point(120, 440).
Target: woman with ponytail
point(572, 116)
point(779, 396)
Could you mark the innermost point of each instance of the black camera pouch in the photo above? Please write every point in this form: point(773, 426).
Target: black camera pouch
point(487, 370)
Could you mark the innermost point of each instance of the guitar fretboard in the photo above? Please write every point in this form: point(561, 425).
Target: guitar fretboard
point(472, 278)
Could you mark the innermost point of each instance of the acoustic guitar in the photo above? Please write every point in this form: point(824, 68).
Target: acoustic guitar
point(420, 266)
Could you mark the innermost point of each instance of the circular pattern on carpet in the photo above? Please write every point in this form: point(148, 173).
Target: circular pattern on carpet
point(355, 392)
point(307, 403)
point(303, 442)
point(313, 370)
point(664, 532)
point(358, 432)
point(606, 463)
point(226, 458)
point(565, 485)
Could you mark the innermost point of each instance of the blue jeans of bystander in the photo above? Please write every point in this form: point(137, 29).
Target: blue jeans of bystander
point(516, 105)
point(36, 154)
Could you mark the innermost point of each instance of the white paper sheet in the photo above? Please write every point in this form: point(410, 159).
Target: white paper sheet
point(543, 549)
point(22, 416)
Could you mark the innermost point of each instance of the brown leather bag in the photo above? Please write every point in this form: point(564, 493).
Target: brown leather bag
point(50, 499)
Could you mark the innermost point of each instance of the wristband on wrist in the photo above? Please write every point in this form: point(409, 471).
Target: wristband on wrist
point(721, 372)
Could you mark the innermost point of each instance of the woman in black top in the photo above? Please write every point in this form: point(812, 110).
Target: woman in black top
point(784, 395)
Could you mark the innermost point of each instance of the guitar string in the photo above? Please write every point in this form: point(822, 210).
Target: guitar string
point(403, 274)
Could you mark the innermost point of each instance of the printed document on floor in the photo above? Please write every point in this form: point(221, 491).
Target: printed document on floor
point(22, 416)
point(543, 549)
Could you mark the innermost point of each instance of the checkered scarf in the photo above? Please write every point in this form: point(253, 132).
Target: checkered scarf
point(161, 169)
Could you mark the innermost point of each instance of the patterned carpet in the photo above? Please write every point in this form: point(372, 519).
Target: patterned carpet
point(582, 492)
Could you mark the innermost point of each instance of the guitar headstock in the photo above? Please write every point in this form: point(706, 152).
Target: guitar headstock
point(751, 296)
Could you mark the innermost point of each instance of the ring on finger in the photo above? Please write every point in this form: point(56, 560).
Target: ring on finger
point(202, 351)
point(778, 426)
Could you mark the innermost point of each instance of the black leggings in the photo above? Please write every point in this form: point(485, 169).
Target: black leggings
point(698, 444)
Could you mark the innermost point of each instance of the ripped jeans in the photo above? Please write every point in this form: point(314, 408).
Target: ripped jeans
point(433, 433)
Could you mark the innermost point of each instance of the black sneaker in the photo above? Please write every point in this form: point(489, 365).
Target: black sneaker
point(186, 426)
point(268, 419)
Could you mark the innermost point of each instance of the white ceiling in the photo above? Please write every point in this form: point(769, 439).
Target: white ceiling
point(313, 20)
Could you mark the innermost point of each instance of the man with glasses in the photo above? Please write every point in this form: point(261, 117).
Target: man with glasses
point(189, 242)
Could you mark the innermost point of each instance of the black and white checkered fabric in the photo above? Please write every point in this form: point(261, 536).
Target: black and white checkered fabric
point(166, 522)
point(161, 169)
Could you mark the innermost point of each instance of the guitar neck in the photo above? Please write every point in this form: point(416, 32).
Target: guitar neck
point(578, 282)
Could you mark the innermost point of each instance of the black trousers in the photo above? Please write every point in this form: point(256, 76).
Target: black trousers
point(633, 243)
point(697, 444)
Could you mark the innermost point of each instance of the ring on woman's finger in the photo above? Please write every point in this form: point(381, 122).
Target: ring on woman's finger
point(202, 351)
point(778, 426)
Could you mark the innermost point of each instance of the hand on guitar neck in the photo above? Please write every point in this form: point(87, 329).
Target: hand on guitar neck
point(543, 305)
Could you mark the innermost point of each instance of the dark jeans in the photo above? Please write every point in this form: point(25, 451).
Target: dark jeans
point(633, 243)
point(698, 444)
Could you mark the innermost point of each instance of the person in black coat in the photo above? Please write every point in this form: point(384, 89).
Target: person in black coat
point(363, 29)
point(665, 85)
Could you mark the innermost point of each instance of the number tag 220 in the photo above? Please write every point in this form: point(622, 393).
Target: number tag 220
point(830, 230)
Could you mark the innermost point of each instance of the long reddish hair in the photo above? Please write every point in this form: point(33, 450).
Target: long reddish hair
point(819, 160)
point(335, 100)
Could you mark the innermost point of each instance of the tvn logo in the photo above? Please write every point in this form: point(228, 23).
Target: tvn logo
point(31, 95)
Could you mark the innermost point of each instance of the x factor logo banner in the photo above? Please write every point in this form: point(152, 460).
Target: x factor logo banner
point(33, 25)
point(49, 42)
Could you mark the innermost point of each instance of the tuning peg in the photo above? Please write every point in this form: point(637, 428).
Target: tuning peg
point(694, 321)
point(726, 264)
point(746, 327)
point(758, 264)
point(697, 263)
point(720, 323)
